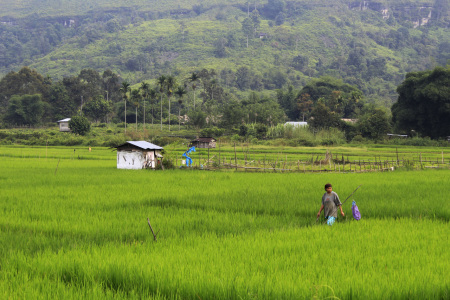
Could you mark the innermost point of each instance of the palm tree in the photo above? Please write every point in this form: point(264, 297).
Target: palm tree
point(170, 84)
point(124, 90)
point(135, 97)
point(145, 88)
point(152, 94)
point(180, 92)
point(193, 79)
point(161, 83)
point(213, 85)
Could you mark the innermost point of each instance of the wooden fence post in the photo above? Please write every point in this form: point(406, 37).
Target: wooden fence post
point(396, 150)
point(420, 154)
point(235, 159)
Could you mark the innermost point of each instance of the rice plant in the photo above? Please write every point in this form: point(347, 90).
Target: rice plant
point(77, 228)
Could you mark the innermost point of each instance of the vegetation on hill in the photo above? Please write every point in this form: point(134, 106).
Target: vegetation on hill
point(261, 46)
point(232, 66)
point(202, 104)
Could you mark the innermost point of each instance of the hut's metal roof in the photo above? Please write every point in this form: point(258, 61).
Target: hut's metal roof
point(296, 124)
point(142, 145)
point(64, 120)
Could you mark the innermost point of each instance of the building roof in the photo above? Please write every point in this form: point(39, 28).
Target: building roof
point(204, 140)
point(142, 145)
point(64, 120)
point(350, 120)
point(399, 135)
point(297, 123)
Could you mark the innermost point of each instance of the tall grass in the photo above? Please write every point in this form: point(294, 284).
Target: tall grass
point(82, 232)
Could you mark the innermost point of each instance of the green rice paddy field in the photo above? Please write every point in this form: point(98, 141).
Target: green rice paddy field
point(77, 228)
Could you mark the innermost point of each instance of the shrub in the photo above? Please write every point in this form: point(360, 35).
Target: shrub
point(212, 132)
point(168, 163)
point(166, 140)
point(358, 139)
point(114, 141)
point(235, 138)
point(79, 125)
point(261, 131)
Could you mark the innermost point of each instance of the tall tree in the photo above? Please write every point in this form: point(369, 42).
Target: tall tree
point(135, 99)
point(92, 82)
point(287, 101)
point(161, 83)
point(145, 90)
point(256, 20)
point(152, 94)
point(232, 114)
point(25, 110)
point(61, 104)
point(247, 28)
point(180, 92)
point(124, 91)
point(305, 105)
point(194, 78)
point(111, 85)
point(24, 82)
point(423, 103)
point(323, 117)
point(170, 85)
point(97, 108)
point(374, 124)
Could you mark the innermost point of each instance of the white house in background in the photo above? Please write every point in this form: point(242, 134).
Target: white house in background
point(296, 124)
point(64, 124)
point(138, 155)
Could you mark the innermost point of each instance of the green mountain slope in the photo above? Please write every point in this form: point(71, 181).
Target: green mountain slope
point(368, 44)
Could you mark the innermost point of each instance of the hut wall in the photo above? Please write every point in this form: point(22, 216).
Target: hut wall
point(130, 160)
point(64, 126)
point(135, 159)
point(204, 145)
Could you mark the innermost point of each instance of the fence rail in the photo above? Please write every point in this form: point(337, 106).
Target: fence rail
point(317, 163)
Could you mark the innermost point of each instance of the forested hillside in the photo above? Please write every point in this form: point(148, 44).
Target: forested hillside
point(275, 48)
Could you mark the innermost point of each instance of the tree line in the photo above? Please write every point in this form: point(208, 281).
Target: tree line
point(200, 100)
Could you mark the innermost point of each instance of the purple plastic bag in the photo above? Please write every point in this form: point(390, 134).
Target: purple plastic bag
point(355, 211)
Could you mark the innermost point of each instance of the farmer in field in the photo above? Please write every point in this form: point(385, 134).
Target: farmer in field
point(330, 203)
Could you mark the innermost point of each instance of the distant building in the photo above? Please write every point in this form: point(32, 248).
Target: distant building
point(393, 135)
point(138, 155)
point(64, 125)
point(353, 121)
point(204, 142)
point(296, 124)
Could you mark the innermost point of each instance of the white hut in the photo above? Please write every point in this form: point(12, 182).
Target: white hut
point(203, 142)
point(64, 125)
point(138, 155)
point(297, 124)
